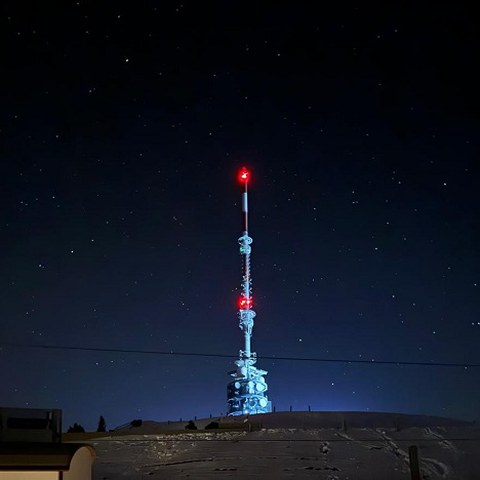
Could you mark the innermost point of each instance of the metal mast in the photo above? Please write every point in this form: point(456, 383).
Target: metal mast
point(246, 394)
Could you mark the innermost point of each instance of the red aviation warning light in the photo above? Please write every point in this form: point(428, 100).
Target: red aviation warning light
point(243, 175)
point(245, 303)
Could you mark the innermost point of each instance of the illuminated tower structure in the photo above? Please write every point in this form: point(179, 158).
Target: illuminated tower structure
point(246, 393)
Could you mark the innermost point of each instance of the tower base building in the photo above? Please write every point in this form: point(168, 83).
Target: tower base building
point(246, 393)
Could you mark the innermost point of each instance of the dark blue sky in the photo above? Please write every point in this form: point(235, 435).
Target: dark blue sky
point(122, 126)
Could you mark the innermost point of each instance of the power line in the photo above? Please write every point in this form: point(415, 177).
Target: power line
point(222, 355)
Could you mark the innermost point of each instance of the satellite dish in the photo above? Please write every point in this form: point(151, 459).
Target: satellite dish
point(263, 402)
point(260, 387)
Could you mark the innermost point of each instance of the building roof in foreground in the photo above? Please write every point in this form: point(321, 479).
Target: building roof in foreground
point(39, 456)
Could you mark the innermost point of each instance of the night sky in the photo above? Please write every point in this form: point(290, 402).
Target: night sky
point(122, 126)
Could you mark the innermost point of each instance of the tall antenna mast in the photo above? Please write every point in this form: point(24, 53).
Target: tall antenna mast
point(246, 394)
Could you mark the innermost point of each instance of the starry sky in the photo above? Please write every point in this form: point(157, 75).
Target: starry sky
point(122, 126)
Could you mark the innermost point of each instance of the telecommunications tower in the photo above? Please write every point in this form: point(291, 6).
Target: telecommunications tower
point(246, 393)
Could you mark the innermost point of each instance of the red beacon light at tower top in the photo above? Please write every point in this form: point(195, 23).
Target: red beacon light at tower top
point(243, 175)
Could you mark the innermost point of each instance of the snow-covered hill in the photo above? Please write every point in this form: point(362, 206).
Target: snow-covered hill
point(320, 445)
